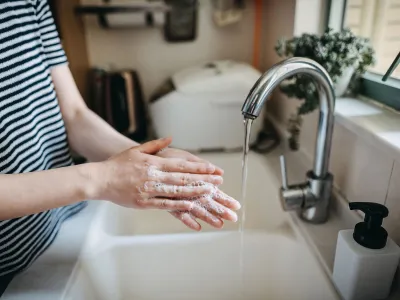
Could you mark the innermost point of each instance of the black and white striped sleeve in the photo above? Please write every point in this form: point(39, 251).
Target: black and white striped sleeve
point(53, 50)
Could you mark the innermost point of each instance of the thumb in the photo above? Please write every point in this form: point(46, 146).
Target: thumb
point(153, 147)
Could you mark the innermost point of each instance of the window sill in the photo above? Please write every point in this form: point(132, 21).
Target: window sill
point(386, 92)
point(372, 121)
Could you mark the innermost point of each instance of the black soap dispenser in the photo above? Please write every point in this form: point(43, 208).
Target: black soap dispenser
point(366, 258)
point(370, 233)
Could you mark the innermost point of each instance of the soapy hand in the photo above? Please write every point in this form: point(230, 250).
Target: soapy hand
point(211, 208)
point(136, 178)
point(181, 154)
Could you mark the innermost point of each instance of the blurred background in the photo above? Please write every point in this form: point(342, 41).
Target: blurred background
point(183, 68)
point(380, 22)
point(144, 65)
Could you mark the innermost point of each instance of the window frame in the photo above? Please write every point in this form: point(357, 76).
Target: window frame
point(372, 86)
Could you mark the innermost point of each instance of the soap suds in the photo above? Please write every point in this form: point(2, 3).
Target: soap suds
point(205, 201)
point(168, 189)
point(154, 172)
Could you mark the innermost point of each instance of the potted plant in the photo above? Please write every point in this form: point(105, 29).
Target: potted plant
point(345, 57)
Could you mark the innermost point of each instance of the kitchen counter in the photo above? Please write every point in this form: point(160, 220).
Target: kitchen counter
point(322, 238)
point(47, 278)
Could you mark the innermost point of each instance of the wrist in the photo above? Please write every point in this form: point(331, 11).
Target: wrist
point(91, 179)
point(122, 146)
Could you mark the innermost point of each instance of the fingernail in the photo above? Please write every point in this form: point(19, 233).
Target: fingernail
point(215, 219)
point(196, 227)
point(211, 168)
point(234, 204)
point(237, 204)
point(233, 216)
point(217, 179)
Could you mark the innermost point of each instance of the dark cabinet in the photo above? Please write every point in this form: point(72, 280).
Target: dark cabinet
point(71, 29)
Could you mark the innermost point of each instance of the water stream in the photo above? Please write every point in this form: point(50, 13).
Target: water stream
point(246, 147)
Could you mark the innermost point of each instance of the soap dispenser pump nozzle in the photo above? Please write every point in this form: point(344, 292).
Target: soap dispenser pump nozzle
point(370, 233)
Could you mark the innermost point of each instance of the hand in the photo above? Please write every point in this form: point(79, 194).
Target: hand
point(181, 154)
point(210, 208)
point(135, 178)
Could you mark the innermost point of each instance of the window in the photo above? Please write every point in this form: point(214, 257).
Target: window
point(378, 20)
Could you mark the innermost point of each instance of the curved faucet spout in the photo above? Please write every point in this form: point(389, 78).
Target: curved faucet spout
point(264, 86)
point(311, 198)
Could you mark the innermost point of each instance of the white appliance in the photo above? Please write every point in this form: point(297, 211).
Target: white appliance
point(203, 109)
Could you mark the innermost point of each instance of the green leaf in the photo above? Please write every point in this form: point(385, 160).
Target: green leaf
point(335, 51)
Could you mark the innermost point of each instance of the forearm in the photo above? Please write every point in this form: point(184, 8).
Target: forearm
point(29, 193)
point(88, 134)
point(92, 137)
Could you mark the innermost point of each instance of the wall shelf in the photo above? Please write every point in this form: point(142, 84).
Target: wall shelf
point(102, 10)
point(111, 8)
point(178, 17)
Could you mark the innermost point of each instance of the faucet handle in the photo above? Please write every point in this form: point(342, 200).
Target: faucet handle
point(291, 198)
point(283, 172)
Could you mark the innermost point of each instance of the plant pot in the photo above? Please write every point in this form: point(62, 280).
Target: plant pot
point(343, 82)
point(294, 128)
point(294, 143)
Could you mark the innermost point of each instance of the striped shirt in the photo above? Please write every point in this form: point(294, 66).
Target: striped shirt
point(32, 132)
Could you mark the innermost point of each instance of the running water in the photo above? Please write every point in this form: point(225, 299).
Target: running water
point(247, 132)
point(246, 147)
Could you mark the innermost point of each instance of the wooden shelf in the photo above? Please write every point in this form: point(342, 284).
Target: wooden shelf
point(102, 10)
point(111, 9)
point(72, 34)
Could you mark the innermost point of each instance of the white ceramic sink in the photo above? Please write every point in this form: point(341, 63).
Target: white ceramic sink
point(136, 255)
point(204, 266)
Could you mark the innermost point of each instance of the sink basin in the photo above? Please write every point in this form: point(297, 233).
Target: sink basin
point(149, 255)
point(262, 202)
point(201, 266)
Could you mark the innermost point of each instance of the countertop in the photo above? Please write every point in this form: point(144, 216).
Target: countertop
point(321, 238)
point(372, 121)
point(46, 279)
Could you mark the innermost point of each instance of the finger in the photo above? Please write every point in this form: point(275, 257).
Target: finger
point(154, 146)
point(217, 209)
point(184, 178)
point(194, 158)
point(226, 200)
point(187, 219)
point(167, 204)
point(157, 189)
point(203, 214)
point(218, 171)
point(184, 166)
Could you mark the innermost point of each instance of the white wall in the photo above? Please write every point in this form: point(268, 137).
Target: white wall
point(293, 18)
point(310, 16)
point(146, 51)
point(278, 22)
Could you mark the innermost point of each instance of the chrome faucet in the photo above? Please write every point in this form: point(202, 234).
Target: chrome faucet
point(312, 197)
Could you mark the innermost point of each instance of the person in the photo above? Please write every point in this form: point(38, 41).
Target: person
point(42, 116)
